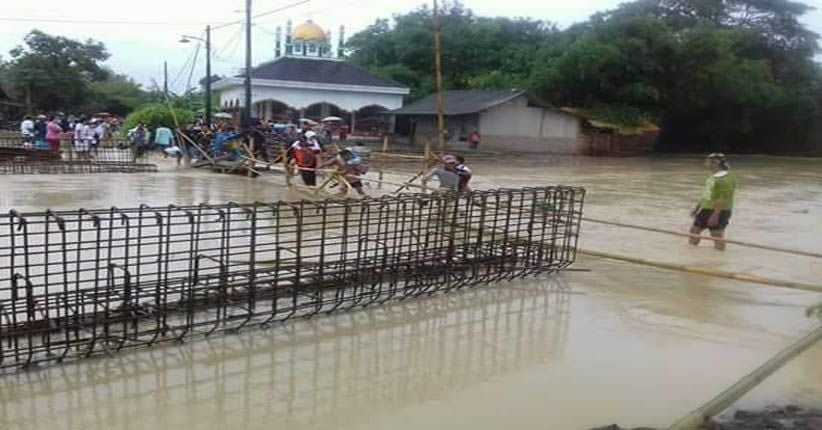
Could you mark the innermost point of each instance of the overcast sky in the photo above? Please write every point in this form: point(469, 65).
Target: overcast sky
point(151, 35)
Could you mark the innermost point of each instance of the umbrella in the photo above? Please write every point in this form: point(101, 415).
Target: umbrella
point(223, 115)
point(308, 121)
point(102, 114)
point(332, 119)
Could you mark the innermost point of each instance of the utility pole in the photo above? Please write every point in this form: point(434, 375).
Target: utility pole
point(247, 110)
point(438, 77)
point(208, 77)
point(207, 40)
point(165, 78)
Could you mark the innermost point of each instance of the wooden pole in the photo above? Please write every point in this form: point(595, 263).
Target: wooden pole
point(382, 160)
point(733, 242)
point(704, 271)
point(698, 418)
point(246, 121)
point(165, 78)
point(438, 78)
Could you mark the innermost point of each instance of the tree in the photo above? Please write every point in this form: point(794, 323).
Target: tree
point(53, 72)
point(117, 94)
point(732, 75)
point(476, 51)
point(159, 115)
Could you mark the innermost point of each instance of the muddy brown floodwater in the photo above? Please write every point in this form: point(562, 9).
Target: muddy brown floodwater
point(620, 343)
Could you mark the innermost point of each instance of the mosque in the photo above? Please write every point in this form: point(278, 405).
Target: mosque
point(308, 78)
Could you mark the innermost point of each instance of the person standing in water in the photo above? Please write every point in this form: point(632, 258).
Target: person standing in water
point(714, 209)
point(446, 175)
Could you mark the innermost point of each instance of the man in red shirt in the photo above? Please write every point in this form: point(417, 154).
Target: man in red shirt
point(474, 139)
point(306, 157)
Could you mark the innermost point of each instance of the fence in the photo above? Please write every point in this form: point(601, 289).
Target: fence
point(82, 283)
point(109, 156)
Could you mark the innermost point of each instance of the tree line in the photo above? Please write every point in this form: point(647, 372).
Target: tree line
point(729, 75)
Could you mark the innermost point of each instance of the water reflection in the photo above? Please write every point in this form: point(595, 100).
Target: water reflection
point(336, 369)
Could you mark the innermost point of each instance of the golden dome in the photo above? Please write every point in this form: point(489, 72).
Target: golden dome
point(309, 31)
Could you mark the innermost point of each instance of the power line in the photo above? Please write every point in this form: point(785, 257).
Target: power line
point(193, 66)
point(185, 66)
point(260, 15)
point(218, 25)
point(100, 22)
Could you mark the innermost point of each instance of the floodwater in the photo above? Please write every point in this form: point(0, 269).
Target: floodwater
point(620, 343)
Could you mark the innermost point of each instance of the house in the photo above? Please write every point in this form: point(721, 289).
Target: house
point(309, 79)
point(506, 119)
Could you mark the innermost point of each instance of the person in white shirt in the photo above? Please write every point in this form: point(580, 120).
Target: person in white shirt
point(84, 138)
point(27, 131)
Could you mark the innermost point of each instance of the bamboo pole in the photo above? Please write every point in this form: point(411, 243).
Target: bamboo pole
point(699, 417)
point(704, 271)
point(689, 235)
point(382, 160)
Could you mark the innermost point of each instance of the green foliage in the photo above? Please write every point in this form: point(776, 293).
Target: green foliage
point(736, 75)
point(54, 72)
point(477, 51)
point(117, 94)
point(158, 115)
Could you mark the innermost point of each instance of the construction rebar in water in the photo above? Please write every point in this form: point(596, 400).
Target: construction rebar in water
point(90, 282)
point(108, 157)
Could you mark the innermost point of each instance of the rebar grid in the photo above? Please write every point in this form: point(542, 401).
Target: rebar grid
point(88, 282)
point(114, 157)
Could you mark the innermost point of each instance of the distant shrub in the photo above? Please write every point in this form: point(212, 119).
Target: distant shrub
point(158, 115)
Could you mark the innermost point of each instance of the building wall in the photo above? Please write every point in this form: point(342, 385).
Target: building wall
point(516, 126)
point(300, 98)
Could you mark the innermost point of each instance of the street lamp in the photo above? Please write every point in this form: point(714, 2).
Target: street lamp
point(207, 40)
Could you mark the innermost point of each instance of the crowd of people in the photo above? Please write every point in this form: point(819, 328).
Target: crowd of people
point(84, 133)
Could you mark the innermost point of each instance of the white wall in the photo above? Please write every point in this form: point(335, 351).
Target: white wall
point(515, 126)
point(300, 98)
point(516, 119)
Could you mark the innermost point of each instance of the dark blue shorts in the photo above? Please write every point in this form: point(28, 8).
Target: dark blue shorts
point(701, 219)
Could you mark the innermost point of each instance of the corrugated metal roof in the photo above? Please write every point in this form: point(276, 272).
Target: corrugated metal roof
point(320, 71)
point(460, 102)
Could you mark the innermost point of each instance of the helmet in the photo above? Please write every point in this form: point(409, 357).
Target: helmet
point(310, 134)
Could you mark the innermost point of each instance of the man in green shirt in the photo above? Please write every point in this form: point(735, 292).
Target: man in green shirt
point(715, 206)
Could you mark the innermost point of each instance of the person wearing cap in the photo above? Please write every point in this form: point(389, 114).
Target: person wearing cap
point(446, 175)
point(306, 137)
point(351, 167)
point(716, 205)
point(464, 172)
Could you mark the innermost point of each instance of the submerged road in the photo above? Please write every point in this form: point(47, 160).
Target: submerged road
point(621, 343)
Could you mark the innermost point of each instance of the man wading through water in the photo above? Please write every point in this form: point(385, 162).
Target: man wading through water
point(714, 209)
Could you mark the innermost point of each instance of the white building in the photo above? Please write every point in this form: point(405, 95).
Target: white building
point(312, 80)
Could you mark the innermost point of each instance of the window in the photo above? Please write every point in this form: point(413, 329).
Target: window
point(312, 48)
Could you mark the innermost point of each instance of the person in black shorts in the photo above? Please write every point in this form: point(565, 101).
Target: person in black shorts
point(715, 207)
